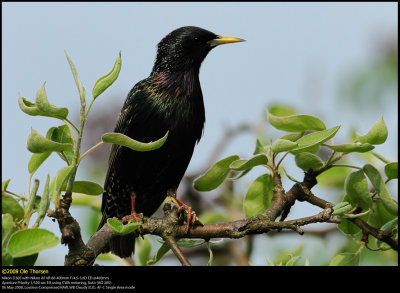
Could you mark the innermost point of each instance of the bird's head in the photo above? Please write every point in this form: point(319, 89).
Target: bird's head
point(186, 47)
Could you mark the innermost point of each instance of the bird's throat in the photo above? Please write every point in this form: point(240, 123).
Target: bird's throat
point(178, 85)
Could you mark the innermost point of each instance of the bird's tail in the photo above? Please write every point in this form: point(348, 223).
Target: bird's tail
point(123, 246)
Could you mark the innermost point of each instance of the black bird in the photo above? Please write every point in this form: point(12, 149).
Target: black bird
point(170, 99)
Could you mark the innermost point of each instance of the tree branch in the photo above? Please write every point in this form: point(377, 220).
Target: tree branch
point(176, 250)
point(171, 226)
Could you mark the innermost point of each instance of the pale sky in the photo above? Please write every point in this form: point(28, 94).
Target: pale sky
point(288, 44)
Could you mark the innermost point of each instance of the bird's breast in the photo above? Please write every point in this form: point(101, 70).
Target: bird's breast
point(178, 99)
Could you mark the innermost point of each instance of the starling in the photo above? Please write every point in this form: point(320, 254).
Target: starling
point(170, 99)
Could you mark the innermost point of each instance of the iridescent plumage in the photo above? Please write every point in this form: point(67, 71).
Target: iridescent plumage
point(170, 99)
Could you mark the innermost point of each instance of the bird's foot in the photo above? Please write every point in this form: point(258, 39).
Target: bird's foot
point(133, 215)
point(191, 215)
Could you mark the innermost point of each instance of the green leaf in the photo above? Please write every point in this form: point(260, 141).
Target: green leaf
point(333, 177)
point(293, 136)
point(186, 242)
point(7, 229)
point(391, 170)
point(215, 175)
point(379, 215)
point(130, 227)
point(29, 207)
point(284, 256)
point(317, 138)
point(212, 216)
point(126, 141)
point(313, 150)
point(389, 226)
point(281, 110)
point(62, 134)
point(29, 107)
point(345, 259)
point(46, 108)
point(30, 241)
point(356, 187)
point(6, 259)
point(4, 185)
point(107, 80)
point(61, 178)
point(37, 160)
point(87, 187)
point(354, 216)
point(36, 203)
point(377, 181)
point(42, 106)
point(44, 203)
point(341, 208)
point(160, 253)
point(115, 225)
point(119, 229)
point(282, 145)
point(39, 144)
point(86, 200)
point(240, 175)
point(28, 260)
point(241, 165)
point(259, 195)
point(295, 123)
point(289, 176)
point(377, 134)
point(259, 148)
point(292, 260)
point(351, 147)
point(306, 160)
point(78, 82)
point(10, 205)
point(348, 227)
point(143, 250)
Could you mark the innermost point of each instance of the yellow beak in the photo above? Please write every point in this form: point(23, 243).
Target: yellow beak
point(224, 40)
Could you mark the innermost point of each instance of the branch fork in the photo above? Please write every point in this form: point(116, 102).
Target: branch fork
point(171, 226)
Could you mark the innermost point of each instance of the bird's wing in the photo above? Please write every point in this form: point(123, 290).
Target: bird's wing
point(121, 127)
point(139, 120)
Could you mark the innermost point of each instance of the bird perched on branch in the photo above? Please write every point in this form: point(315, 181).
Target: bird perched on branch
point(170, 99)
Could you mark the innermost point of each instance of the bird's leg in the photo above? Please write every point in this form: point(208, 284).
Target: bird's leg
point(134, 214)
point(191, 215)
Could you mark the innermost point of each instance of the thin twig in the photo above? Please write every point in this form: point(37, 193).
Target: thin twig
point(345, 165)
point(176, 250)
point(72, 124)
point(17, 195)
point(89, 150)
point(280, 161)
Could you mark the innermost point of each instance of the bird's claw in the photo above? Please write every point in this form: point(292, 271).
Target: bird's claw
point(135, 216)
point(191, 215)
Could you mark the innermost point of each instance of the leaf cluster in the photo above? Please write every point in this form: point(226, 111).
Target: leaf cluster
point(307, 135)
point(21, 243)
